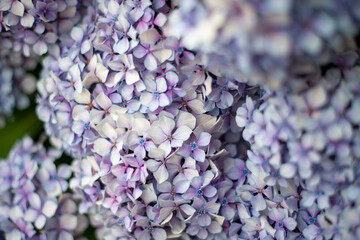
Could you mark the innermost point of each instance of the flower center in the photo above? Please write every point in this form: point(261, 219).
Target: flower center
point(201, 211)
point(193, 146)
point(281, 224)
point(200, 192)
point(142, 141)
point(156, 95)
point(137, 3)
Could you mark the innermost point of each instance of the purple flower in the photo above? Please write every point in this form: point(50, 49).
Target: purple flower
point(112, 201)
point(179, 171)
point(154, 96)
point(146, 229)
point(194, 148)
point(169, 191)
point(200, 187)
point(162, 134)
point(40, 40)
point(39, 211)
point(138, 7)
point(282, 222)
point(126, 70)
point(46, 11)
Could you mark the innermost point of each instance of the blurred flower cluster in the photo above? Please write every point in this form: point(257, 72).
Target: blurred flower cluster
point(191, 120)
point(32, 200)
point(16, 82)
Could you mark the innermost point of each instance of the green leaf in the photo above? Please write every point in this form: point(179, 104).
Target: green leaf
point(23, 123)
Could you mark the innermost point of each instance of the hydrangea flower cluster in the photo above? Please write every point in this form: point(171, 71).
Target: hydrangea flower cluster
point(32, 200)
point(29, 29)
point(179, 128)
point(267, 42)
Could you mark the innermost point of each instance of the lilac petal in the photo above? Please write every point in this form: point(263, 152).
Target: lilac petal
point(31, 215)
point(166, 147)
point(40, 222)
point(159, 233)
point(139, 51)
point(210, 191)
point(151, 36)
point(132, 76)
point(323, 202)
point(161, 85)
point(182, 186)
point(316, 97)
point(5, 5)
point(276, 215)
point(64, 235)
point(227, 99)
point(161, 175)
point(190, 193)
point(191, 173)
point(163, 54)
point(150, 62)
point(290, 223)
point(164, 213)
point(140, 152)
point(101, 72)
point(212, 207)
point(258, 202)
point(102, 147)
point(152, 165)
point(163, 100)
point(199, 155)
point(172, 43)
point(35, 201)
point(103, 101)
point(204, 139)
point(40, 48)
point(167, 125)
point(122, 46)
point(197, 182)
point(17, 8)
point(27, 20)
point(310, 232)
point(214, 227)
point(113, 8)
point(204, 220)
point(308, 199)
point(228, 212)
point(77, 34)
point(68, 222)
point(154, 105)
point(196, 106)
point(187, 209)
point(193, 229)
point(182, 133)
point(287, 170)
point(136, 14)
point(161, 18)
point(144, 235)
point(85, 47)
point(177, 225)
point(203, 234)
